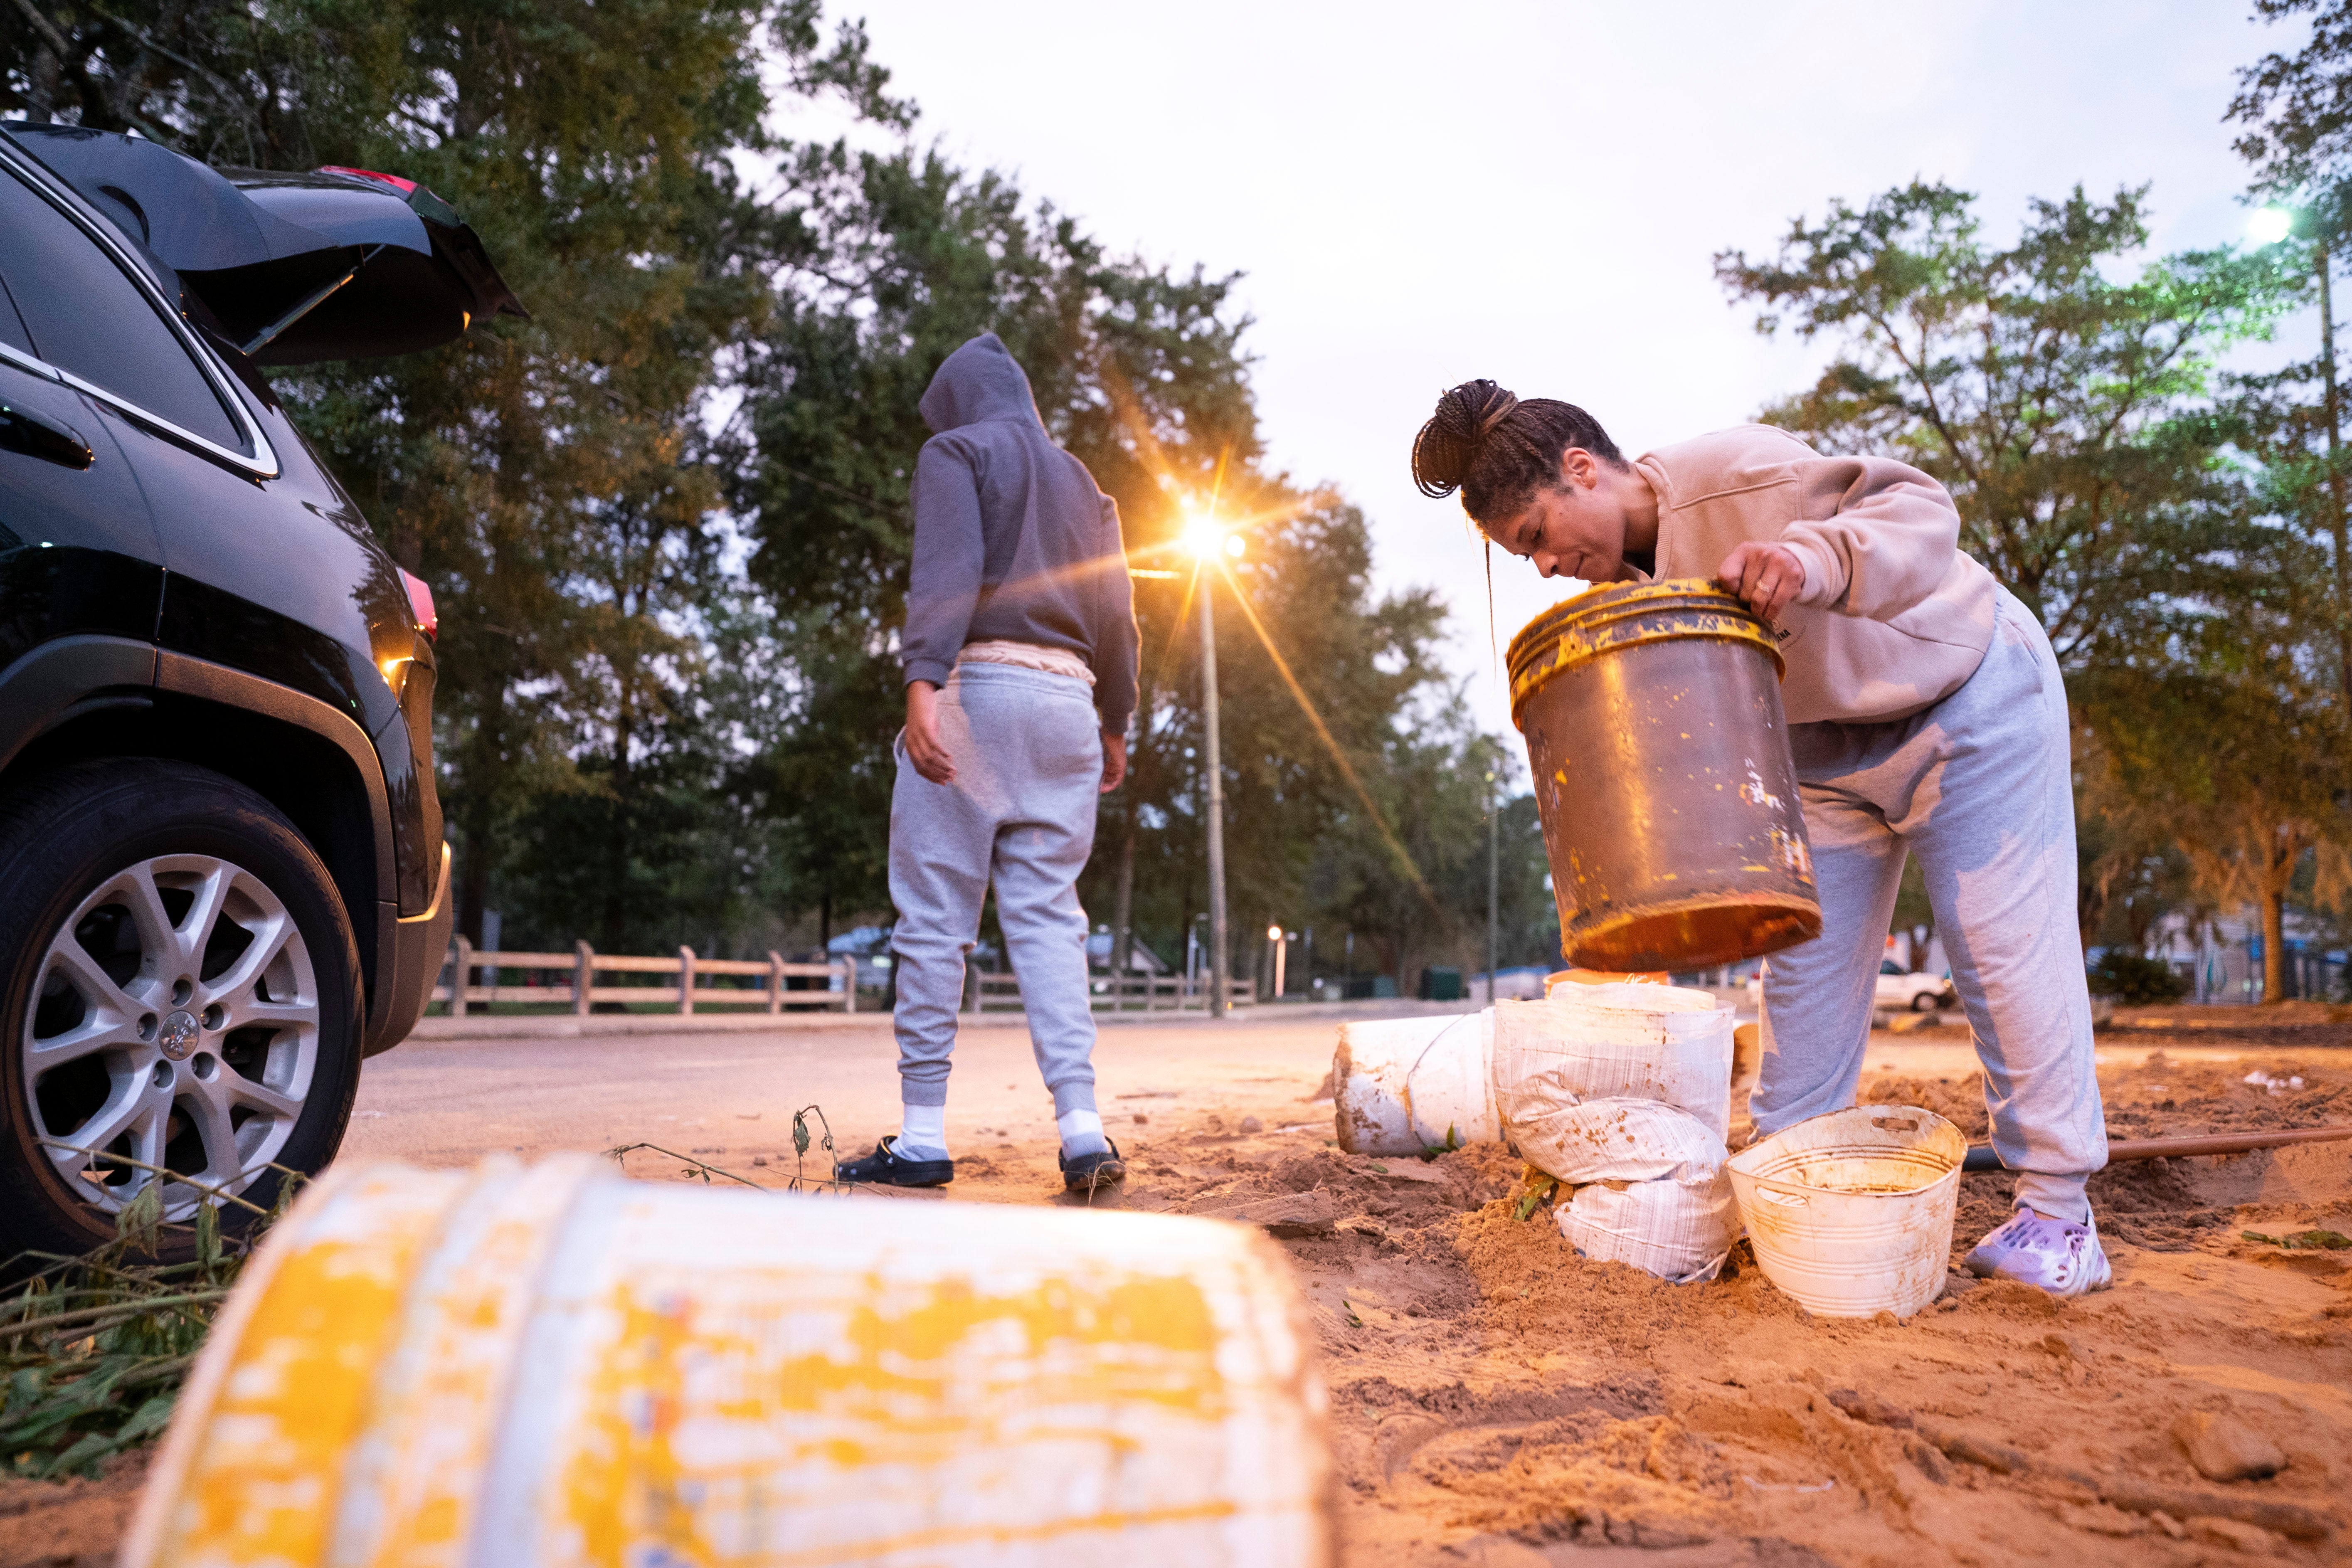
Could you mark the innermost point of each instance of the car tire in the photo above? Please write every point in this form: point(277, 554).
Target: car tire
point(1927, 1002)
point(179, 985)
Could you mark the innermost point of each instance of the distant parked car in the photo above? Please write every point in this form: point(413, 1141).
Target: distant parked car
point(1898, 987)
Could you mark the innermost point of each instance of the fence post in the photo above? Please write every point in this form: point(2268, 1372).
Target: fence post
point(685, 980)
point(464, 958)
point(849, 983)
point(583, 977)
point(775, 981)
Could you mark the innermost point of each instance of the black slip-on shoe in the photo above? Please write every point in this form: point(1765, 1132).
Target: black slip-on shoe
point(884, 1167)
point(1088, 1172)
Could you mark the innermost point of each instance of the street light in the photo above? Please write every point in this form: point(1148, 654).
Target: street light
point(2269, 226)
point(1206, 536)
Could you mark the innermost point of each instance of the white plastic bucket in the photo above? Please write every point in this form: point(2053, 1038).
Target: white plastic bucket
point(1664, 1043)
point(1679, 1231)
point(557, 1367)
point(1852, 1213)
point(1405, 1084)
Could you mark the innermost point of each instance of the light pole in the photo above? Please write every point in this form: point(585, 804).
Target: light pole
point(1494, 885)
point(2268, 226)
point(1207, 537)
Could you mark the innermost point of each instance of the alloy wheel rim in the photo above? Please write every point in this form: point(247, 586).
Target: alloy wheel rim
point(174, 1027)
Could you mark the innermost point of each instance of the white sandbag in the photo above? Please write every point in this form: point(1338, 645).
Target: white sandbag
point(1678, 1231)
point(1404, 1085)
point(1614, 1139)
point(1664, 1043)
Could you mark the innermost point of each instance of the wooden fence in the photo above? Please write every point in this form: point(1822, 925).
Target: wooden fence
point(688, 983)
point(1139, 993)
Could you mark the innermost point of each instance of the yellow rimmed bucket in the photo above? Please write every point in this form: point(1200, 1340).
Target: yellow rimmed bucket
point(554, 1366)
point(1660, 758)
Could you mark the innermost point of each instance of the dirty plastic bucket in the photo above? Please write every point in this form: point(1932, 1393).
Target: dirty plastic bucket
point(1852, 1213)
point(1667, 1043)
point(555, 1366)
point(1401, 1086)
point(1659, 752)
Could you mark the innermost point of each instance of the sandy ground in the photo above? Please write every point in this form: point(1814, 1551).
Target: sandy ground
point(1497, 1400)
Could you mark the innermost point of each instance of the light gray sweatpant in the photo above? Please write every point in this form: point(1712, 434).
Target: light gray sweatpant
point(1027, 748)
point(1979, 787)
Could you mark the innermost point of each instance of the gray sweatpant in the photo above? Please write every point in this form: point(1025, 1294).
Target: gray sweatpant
point(1979, 787)
point(1021, 814)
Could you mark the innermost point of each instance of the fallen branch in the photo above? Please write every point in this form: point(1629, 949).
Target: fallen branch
point(694, 1167)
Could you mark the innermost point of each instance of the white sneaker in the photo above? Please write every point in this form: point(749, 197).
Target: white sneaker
point(2053, 1255)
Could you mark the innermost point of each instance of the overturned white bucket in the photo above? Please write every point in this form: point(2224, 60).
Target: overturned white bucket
point(1405, 1084)
point(1852, 1213)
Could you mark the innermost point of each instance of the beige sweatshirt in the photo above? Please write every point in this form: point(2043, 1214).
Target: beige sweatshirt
point(1893, 617)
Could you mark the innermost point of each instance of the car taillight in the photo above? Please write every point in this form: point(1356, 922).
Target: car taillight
point(420, 603)
point(404, 186)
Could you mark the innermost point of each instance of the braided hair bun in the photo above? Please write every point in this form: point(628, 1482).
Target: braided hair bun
point(1448, 444)
point(1498, 450)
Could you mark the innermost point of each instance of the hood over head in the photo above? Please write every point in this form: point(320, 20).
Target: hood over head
point(981, 380)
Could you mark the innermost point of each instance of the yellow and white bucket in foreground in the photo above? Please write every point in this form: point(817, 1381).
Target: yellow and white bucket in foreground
point(532, 1367)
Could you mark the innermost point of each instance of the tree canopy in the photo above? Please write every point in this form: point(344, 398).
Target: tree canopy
point(666, 520)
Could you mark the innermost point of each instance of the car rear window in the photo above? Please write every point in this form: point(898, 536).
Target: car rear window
point(84, 315)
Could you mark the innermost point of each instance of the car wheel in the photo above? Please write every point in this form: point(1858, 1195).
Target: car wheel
point(181, 1003)
point(1927, 1002)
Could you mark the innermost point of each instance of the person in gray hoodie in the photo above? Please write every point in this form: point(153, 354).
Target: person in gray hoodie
point(1020, 658)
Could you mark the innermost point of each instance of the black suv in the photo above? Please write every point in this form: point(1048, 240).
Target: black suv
point(222, 877)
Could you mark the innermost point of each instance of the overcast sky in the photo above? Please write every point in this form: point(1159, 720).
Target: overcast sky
point(1424, 194)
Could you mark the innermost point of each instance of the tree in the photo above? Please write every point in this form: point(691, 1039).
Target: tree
point(2240, 774)
point(2067, 413)
point(2155, 513)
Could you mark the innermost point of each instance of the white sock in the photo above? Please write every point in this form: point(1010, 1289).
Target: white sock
point(922, 1132)
point(1081, 1132)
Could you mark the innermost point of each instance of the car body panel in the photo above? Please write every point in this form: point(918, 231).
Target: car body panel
point(79, 550)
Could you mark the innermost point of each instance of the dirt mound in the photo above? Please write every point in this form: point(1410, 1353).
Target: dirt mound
point(72, 1524)
point(2163, 1098)
point(1959, 1101)
point(1497, 1400)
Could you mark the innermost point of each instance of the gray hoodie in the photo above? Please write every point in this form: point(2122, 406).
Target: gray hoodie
point(1012, 539)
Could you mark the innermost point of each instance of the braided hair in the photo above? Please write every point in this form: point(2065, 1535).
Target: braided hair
point(1498, 450)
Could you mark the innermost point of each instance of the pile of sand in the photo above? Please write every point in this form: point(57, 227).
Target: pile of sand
point(1497, 1400)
